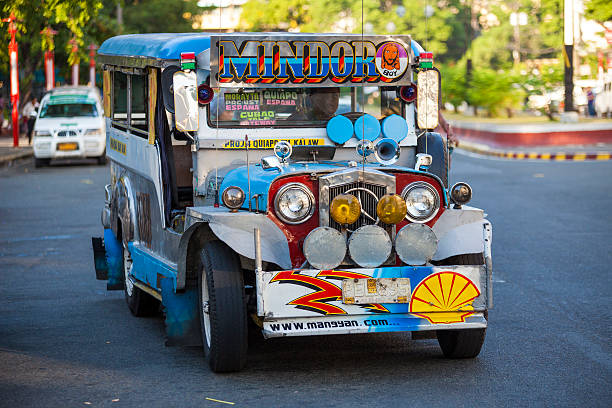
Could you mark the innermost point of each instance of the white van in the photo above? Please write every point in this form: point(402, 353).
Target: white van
point(70, 124)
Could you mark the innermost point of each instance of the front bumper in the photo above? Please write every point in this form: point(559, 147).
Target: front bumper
point(309, 302)
point(86, 146)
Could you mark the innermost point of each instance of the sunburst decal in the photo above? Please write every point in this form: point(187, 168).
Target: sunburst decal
point(444, 297)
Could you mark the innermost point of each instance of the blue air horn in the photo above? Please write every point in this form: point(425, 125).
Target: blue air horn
point(387, 151)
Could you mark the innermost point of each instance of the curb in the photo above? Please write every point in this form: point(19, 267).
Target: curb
point(557, 156)
point(4, 160)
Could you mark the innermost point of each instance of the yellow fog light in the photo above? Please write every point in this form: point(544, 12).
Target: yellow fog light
point(391, 209)
point(345, 209)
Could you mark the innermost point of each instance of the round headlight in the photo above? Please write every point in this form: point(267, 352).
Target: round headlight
point(294, 203)
point(391, 209)
point(233, 197)
point(422, 201)
point(345, 209)
point(461, 193)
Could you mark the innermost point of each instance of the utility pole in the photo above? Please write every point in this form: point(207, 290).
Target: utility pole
point(568, 54)
point(48, 33)
point(13, 56)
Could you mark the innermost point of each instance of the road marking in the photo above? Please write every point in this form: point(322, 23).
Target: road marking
point(222, 402)
point(559, 156)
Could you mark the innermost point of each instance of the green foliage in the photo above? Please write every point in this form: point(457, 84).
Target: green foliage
point(453, 84)
point(495, 91)
point(158, 16)
point(598, 10)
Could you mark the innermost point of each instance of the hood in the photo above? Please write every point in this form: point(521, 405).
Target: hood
point(262, 179)
point(73, 123)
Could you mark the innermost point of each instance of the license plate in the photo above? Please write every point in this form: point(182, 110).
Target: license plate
point(376, 290)
point(67, 146)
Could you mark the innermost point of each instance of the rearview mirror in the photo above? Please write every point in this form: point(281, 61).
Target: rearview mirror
point(428, 93)
point(186, 113)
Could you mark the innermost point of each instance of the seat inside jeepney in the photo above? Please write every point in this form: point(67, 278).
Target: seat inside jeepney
point(182, 169)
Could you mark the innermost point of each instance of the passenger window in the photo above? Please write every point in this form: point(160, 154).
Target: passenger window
point(138, 117)
point(119, 100)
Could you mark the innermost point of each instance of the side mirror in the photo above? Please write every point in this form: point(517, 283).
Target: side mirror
point(428, 94)
point(34, 113)
point(186, 115)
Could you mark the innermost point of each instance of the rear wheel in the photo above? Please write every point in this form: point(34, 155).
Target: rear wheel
point(462, 343)
point(41, 162)
point(139, 302)
point(102, 159)
point(223, 314)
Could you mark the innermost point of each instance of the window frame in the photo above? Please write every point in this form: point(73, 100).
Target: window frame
point(127, 127)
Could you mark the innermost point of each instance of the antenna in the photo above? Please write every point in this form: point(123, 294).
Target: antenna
point(246, 143)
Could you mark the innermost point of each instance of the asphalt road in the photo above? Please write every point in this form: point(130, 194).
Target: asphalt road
point(67, 342)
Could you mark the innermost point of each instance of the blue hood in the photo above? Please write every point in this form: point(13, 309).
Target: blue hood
point(261, 179)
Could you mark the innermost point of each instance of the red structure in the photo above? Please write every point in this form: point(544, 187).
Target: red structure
point(13, 56)
point(74, 53)
point(49, 58)
point(92, 64)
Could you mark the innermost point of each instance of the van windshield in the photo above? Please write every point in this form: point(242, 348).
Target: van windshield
point(68, 110)
point(294, 107)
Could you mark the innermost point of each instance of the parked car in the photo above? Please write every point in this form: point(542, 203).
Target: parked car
point(70, 124)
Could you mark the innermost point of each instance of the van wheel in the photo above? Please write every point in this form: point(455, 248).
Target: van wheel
point(462, 343)
point(102, 159)
point(140, 303)
point(223, 314)
point(41, 162)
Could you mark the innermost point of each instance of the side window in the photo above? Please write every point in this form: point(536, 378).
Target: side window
point(120, 91)
point(138, 103)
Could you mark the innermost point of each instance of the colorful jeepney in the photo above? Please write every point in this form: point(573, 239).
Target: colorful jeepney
point(286, 183)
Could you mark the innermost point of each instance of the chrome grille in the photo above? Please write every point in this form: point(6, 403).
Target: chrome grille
point(62, 133)
point(368, 203)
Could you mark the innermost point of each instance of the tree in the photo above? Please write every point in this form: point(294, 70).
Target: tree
point(598, 10)
point(67, 16)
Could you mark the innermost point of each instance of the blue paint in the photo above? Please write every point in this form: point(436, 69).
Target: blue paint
point(339, 129)
point(166, 46)
point(261, 179)
point(416, 48)
point(146, 267)
point(182, 314)
point(114, 260)
point(367, 127)
point(394, 127)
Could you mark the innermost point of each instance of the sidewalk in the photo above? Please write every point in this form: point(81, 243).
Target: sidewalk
point(8, 153)
point(543, 141)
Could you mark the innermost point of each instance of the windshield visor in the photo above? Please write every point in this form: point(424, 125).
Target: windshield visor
point(297, 107)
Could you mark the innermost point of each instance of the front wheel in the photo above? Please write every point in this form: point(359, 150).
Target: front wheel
point(41, 162)
point(462, 343)
point(139, 302)
point(223, 314)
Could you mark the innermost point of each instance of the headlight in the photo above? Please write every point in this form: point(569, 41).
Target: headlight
point(345, 209)
point(93, 132)
point(294, 203)
point(42, 133)
point(422, 201)
point(233, 197)
point(391, 209)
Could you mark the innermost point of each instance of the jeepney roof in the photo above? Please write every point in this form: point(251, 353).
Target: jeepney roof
point(168, 46)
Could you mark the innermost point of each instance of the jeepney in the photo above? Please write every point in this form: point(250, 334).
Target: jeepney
point(286, 183)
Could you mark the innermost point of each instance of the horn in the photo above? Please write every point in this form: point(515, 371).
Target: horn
point(387, 152)
point(364, 148)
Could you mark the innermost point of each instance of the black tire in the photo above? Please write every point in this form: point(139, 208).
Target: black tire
point(434, 144)
point(41, 162)
point(102, 159)
point(140, 303)
point(223, 316)
point(462, 343)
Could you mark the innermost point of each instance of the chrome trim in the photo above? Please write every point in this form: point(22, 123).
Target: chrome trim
point(348, 176)
point(224, 197)
point(430, 188)
point(308, 193)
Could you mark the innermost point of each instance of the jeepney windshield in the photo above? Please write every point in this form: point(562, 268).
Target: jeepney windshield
point(294, 107)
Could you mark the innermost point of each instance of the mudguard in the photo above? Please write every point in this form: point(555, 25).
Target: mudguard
point(460, 231)
point(432, 143)
point(236, 230)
